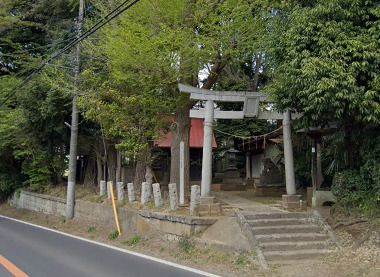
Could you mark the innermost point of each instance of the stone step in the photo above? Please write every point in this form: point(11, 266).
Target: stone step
point(291, 245)
point(294, 237)
point(286, 229)
point(277, 221)
point(277, 215)
point(295, 254)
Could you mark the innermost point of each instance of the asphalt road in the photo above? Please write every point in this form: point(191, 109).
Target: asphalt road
point(40, 252)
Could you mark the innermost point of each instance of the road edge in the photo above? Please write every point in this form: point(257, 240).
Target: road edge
point(158, 260)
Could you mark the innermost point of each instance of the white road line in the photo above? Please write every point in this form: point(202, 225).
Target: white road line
point(118, 249)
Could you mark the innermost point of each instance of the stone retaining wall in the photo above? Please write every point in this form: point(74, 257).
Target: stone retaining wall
point(132, 221)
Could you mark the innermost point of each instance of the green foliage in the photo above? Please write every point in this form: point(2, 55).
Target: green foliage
point(359, 190)
point(38, 171)
point(91, 229)
point(133, 241)
point(32, 134)
point(326, 60)
point(113, 235)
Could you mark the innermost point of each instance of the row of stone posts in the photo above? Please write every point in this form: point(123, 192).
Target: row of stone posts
point(154, 190)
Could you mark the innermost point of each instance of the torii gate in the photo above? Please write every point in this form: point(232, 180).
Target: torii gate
point(251, 102)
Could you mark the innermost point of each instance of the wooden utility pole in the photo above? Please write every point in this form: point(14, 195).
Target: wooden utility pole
point(74, 123)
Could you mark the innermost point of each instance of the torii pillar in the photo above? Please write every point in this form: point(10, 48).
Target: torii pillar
point(251, 109)
point(290, 199)
point(207, 149)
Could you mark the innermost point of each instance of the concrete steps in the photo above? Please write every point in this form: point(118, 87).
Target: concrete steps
point(268, 216)
point(286, 229)
point(276, 221)
point(291, 245)
point(295, 254)
point(284, 236)
point(295, 237)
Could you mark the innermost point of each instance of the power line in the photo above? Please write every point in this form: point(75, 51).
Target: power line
point(110, 16)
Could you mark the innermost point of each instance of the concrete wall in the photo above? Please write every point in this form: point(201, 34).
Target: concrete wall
point(131, 221)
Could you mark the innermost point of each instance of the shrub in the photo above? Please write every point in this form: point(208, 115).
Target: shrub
point(359, 189)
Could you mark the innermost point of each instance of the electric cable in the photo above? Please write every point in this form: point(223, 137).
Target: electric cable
point(110, 16)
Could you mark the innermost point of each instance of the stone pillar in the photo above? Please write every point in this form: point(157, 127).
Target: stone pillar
point(319, 163)
point(131, 192)
point(182, 173)
point(145, 192)
point(109, 186)
point(288, 153)
point(173, 196)
point(207, 149)
point(149, 178)
point(102, 188)
point(120, 191)
point(157, 195)
point(195, 200)
point(248, 165)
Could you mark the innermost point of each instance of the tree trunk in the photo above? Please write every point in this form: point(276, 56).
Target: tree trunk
point(140, 170)
point(90, 171)
point(118, 166)
point(99, 168)
point(180, 132)
point(112, 163)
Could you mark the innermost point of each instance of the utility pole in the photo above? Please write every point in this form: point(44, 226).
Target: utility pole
point(74, 123)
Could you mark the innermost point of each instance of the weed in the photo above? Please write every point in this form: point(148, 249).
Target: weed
point(241, 259)
point(91, 229)
point(186, 244)
point(133, 241)
point(113, 235)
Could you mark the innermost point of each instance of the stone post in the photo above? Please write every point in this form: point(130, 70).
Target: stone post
point(109, 186)
point(288, 155)
point(102, 188)
point(195, 200)
point(145, 192)
point(149, 178)
point(157, 195)
point(131, 192)
point(290, 200)
point(248, 165)
point(120, 191)
point(173, 196)
point(207, 149)
point(182, 173)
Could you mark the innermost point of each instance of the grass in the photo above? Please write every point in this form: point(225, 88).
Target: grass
point(113, 235)
point(189, 250)
point(132, 241)
point(91, 229)
point(186, 244)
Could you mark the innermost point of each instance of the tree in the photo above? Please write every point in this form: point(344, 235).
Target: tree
point(32, 131)
point(153, 47)
point(326, 60)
